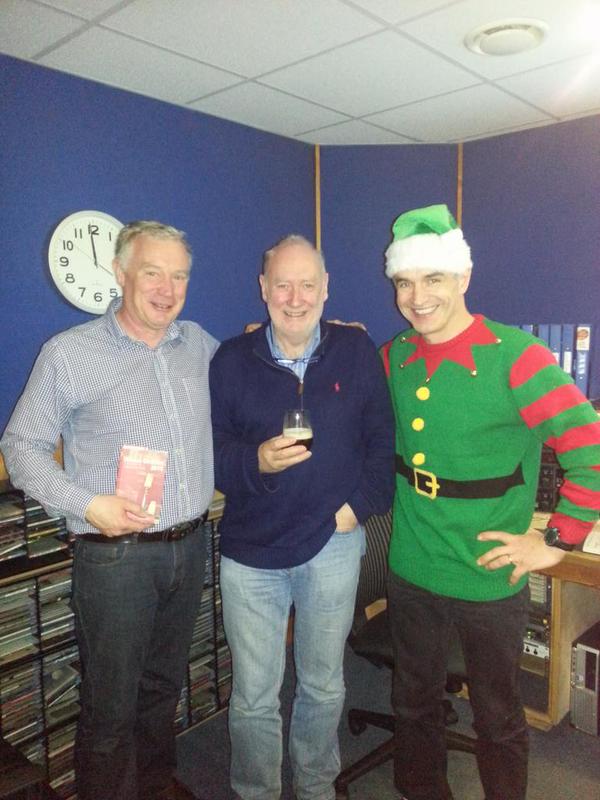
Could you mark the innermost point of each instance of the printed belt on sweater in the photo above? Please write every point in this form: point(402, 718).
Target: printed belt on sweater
point(432, 486)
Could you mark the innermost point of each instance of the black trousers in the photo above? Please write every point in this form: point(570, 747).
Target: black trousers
point(491, 634)
point(135, 607)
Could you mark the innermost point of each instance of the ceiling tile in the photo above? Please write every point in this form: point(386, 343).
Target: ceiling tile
point(572, 87)
point(469, 113)
point(353, 132)
point(592, 112)
point(513, 129)
point(446, 29)
point(394, 11)
point(267, 109)
point(370, 75)
point(26, 28)
point(119, 61)
point(88, 9)
point(249, 37)
point(317, 63)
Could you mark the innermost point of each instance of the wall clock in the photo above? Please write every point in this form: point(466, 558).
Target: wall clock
point(80, 256)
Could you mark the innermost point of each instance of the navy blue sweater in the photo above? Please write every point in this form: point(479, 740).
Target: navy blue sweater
point(281, 520)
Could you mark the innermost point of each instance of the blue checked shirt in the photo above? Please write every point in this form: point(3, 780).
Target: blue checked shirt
point(297, 365)
point(100, 390)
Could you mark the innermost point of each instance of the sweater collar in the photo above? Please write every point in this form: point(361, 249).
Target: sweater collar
point(458, 349)
point(260, 343)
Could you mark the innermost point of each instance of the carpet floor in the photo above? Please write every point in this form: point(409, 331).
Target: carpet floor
point(564, 762)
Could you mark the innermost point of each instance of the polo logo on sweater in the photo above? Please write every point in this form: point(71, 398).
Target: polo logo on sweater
point(336, 386)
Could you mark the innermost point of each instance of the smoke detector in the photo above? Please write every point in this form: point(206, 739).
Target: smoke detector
point(506, 37)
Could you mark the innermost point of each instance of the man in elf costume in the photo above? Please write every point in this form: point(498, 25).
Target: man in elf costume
point(473, 401)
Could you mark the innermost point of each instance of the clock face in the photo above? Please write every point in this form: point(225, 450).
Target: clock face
point(80, 256)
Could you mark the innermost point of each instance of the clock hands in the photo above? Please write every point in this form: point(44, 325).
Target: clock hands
point(95, 260)
point(110, 272)
point(94, 249)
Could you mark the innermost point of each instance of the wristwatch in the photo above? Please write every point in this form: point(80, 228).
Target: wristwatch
point(552, 539)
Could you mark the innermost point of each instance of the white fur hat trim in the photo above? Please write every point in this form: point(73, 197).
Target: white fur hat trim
point(446, 252)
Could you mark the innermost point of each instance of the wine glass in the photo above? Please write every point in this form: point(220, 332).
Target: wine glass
point(297, 426)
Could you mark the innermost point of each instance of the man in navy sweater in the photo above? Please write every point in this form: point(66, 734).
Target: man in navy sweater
point(292, 528)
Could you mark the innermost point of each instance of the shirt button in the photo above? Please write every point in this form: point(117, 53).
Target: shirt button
point(423, 393)
point(418, 459)
point(418, 424)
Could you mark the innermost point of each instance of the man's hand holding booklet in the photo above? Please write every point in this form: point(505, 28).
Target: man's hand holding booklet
point(141, 477)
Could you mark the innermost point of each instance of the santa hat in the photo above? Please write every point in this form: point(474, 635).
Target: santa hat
point(427, 239)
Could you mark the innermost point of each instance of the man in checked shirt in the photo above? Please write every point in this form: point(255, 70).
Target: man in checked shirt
point(134, 376)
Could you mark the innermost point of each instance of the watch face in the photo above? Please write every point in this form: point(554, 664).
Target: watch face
point(80, 256)
point(551, 536)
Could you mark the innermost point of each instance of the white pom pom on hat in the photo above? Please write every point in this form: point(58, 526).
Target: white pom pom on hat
point(427, 239)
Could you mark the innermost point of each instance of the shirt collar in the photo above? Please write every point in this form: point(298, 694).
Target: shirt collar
point(277, 352)
point(297, 365)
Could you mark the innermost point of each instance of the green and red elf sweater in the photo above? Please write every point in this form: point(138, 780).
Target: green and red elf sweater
point(471, 416)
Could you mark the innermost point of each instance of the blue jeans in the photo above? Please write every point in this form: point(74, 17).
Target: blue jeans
point(135, 607)
point(491, 635)
point(256, 606)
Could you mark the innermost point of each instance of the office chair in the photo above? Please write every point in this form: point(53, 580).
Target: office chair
point(371, 639)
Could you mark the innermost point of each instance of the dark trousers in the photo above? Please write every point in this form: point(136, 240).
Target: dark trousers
point(135, 606)
point(491, 634)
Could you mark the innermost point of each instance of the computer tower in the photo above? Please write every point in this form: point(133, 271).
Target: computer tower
point(585, 681)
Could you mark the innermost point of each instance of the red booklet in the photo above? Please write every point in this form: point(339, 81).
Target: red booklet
point(141, 477)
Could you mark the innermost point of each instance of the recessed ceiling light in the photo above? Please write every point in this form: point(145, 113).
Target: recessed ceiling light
point(506, 37)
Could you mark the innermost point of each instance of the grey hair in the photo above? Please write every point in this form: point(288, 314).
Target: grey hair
point(291, 239)
point(143, 227)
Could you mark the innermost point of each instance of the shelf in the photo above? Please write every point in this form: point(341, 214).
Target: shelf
point(35, 612)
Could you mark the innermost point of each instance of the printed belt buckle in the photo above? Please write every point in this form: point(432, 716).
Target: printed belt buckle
point(429, 487)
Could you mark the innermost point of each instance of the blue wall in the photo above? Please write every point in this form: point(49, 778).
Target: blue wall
point(531, 215)
point(363, 191)
point(70, 144)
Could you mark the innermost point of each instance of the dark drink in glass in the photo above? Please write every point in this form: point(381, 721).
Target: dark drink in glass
point(297, 426)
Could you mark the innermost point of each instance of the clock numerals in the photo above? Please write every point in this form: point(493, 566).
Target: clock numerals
point(91, 230)
point(98, 297)
point(80, 256)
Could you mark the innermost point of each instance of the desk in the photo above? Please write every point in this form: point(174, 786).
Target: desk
point(575, 606)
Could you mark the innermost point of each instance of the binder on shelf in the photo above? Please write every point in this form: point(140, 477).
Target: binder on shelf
point(543, 332)
point(555, 341)
point(583, 336)
point(568, 336)
point(528, 328)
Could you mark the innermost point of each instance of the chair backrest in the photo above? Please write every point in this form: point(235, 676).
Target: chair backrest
point(372, 586)
point(374, 567)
